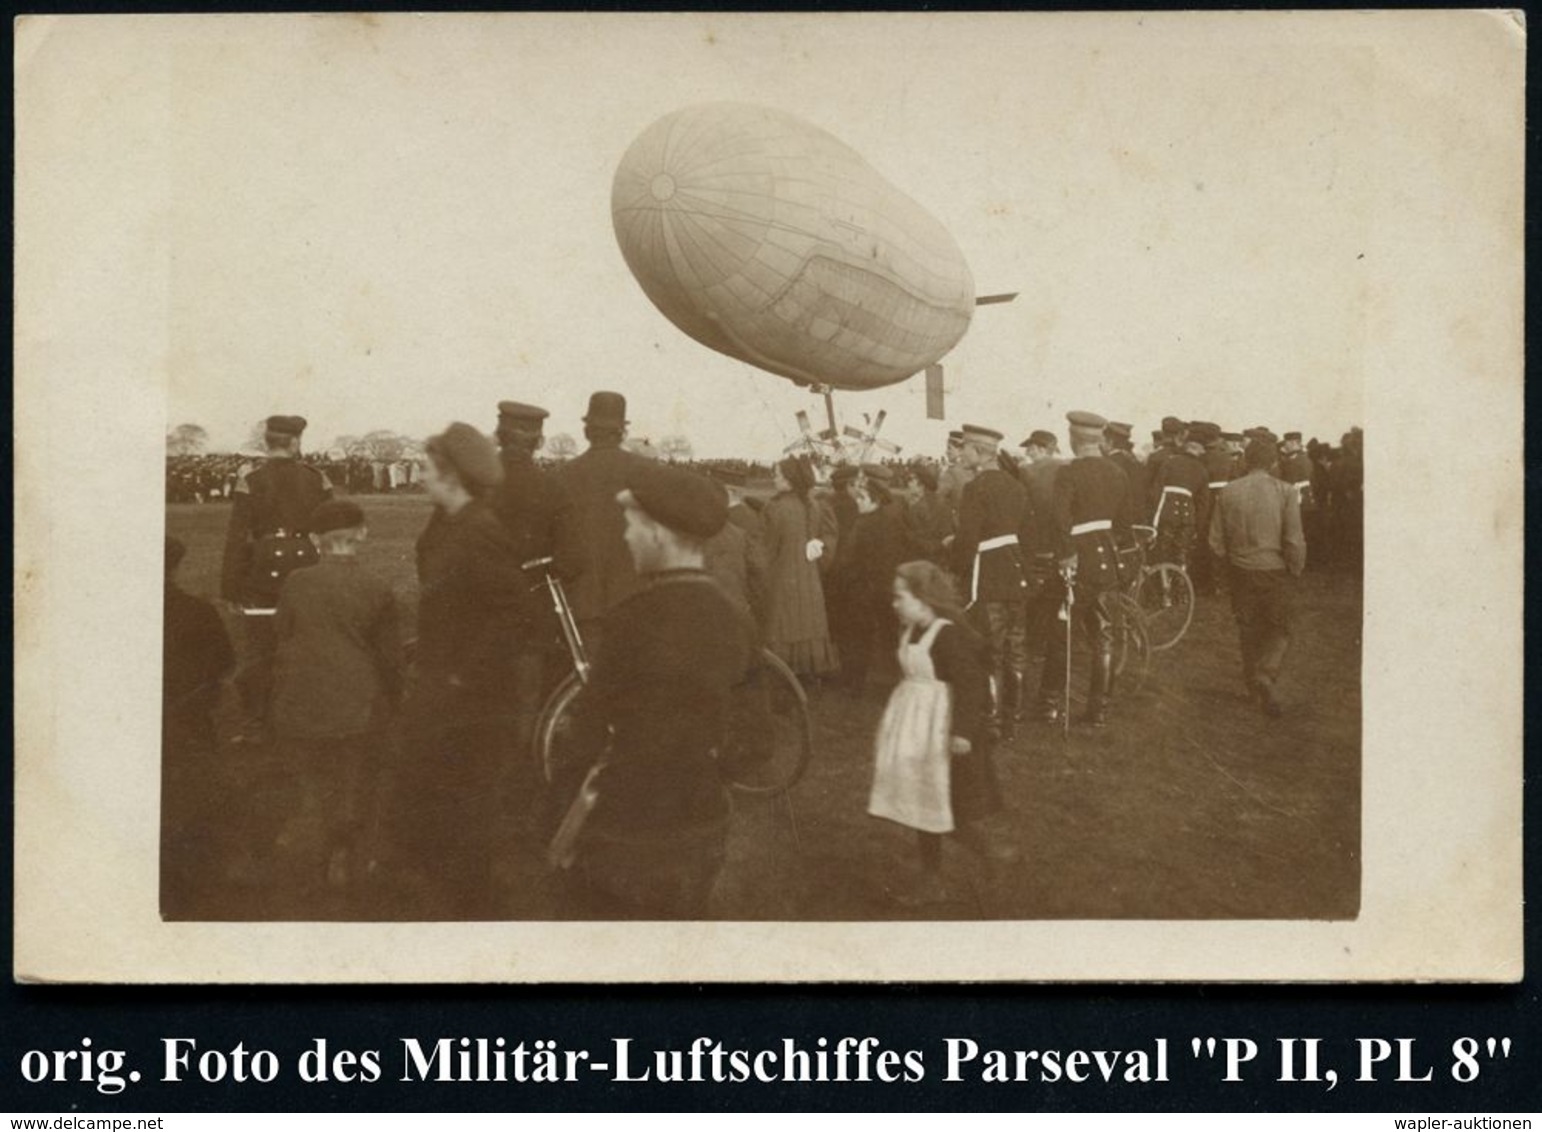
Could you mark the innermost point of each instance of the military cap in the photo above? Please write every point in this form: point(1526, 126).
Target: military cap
point(843, 474)
point(877, 472)
point(336, 515)
point(682, 500)
point(519, 411)
point(1172, 426)
point(469, 454)
point(979, 434)
point(1204, 432)
point(1086, 428)
point(286, 426)
point(1234, 437)
point(606, 409)
point(956, 436)
point(1039, 437)
point(1296, 436)
point(1119, 429)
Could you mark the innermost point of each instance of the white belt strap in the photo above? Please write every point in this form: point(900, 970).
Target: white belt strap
point(1176, 490)
point(1156, 520)
point(995, 543)
point(1218, 484)
point(1092, 526)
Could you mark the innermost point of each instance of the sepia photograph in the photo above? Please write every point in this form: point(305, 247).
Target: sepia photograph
point(896, 483)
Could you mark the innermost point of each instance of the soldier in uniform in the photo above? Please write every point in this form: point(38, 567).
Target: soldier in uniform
point(592, 481)
point(1218, 473)
point(956, 472)
point(1121, 450)
point(995, 526)
point(1092, 512)
point(1182, 485)
point(655, 712)
point(266, 539)
point(1166, 443)
point(535, 510)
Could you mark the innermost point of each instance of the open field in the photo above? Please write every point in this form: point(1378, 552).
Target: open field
point(1190, 805)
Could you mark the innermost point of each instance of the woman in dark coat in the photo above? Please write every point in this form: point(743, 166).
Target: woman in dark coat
point(799, 536)
point(471, 596)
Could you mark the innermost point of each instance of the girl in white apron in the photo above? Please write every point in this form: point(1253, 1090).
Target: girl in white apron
point(932, 769)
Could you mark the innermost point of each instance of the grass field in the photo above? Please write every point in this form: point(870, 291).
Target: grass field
point(1190, 805)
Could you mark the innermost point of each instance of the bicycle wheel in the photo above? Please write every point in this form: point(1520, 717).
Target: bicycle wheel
point(1167, 597)
point(1132, 645)
point(555, 754)
point(770, 737)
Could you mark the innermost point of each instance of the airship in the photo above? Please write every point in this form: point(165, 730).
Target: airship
point(769, 240)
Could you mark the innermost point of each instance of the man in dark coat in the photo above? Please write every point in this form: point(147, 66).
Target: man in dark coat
point(1092, 514)
point(1121, 450)
point(879, 543)
point(265, 540)
point(1182, 485)
point(592, 482)
point(656, 711)
point(534, 508)
point(995, 525)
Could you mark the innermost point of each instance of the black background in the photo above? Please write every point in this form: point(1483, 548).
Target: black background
point(285, 1019)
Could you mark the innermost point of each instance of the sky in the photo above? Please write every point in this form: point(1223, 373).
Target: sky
point(396, 221)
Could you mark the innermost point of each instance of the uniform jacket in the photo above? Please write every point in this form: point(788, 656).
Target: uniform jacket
point(1134, 470)
point(1185, 471)
point(280, 495)
point(1092, 489)
point(994, 505)
point(668, 657)
point(339, 656)
point(1039, 479)
point(534, 508)
point(592, 482)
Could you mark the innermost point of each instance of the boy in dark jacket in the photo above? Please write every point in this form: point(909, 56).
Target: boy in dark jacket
point(338, 674)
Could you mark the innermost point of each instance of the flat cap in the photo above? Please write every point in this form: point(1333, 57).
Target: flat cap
point(681, 500)
point(981, 435)
point(336, 515)
point(519, 411)
point(1040, 437)
point(1296, 436)
point(1172, 425)
point(472, 456)
point(286, 426)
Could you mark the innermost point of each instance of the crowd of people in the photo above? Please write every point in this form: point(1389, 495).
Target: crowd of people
point(214, 477)
point(946, 583)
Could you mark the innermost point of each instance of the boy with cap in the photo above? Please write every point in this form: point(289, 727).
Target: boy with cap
point(990, 555)
point(337, 678)
point(263, 543)
point(655, 711)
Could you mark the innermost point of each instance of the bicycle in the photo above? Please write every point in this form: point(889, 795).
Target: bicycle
point(1163, 592)
point(770, 735)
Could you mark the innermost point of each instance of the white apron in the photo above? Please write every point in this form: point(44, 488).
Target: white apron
point(911, 764)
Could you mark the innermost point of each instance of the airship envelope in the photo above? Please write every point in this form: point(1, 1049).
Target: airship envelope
point(773, 242)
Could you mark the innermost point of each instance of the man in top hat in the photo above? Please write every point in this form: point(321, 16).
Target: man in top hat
point(1093, 511)
point(592, 482)
point(654, 713)
point(956, 472)
point(535, 510)
point(265, 540)
point(990, 558)
point(1121, 450)
point(1256, 529)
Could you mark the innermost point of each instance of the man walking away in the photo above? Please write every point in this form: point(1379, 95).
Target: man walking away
point(1256, 527)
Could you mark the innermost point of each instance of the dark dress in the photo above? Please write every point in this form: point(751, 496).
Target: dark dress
point(960, 659)
point(459, 716)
